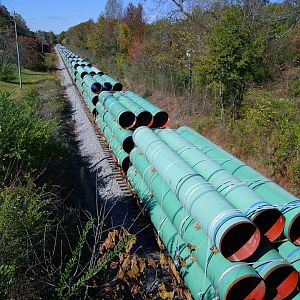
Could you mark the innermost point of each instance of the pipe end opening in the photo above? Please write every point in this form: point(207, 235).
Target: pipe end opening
point(240, 241)
point(127, 120)
point(270, 223)
point(125, 164)
point(128, 144)
point(161, 120)
point(96, 87)
point(145, 119)
point(247, 288)
point(294, 230)
point(83, 74)
point(107, 86)
point(95, 100)
point(118, 87)
point(281, 282)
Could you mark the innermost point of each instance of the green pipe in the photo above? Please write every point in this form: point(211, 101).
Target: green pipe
point(78, 78)
point(193, 276)
point(267, 218)
point(116, 86)
point(124, 136)
point(97, 71)
point(280, 277)
point(144, 117)
point(230, 283)
point(291, 252)
point(94, 86)
point(78, 81)
point(296, 295)
point(85, 63)
point(273, 193)
point(120, 154)
point(106, 85)
point(88, 96)
point(92, 96)
point(89, 70)
point(221, 221)
point(81, 71)
point(74, 64)
point(123, 116)
point(160, 118)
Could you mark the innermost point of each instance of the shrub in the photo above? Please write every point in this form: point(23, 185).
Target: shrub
point(50, 61)
point(7, 73)
point(22, 219)
point(27, 140)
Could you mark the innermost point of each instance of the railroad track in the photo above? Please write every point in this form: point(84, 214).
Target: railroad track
point(117, 172)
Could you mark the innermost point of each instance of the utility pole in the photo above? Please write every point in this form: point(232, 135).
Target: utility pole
point(189, 65)
point(18, 52)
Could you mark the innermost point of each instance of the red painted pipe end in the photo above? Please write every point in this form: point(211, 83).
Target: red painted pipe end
point(270, 222)
point(281, 281)
point(240, 241)
point(294, 230)
point(246, 288)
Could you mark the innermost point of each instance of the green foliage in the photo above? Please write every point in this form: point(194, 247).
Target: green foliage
point(69, 285)
point(7, 72)
point(6, 20)
point(27, 140)
point(236, 54)
point(69, 268)
point(28, 133)
point(21, 215)
point(294, 85)
point(50, 61)
point(124, 38)
point(22, 221)
point(268, 134)
point(7, 279)
point(278, 123)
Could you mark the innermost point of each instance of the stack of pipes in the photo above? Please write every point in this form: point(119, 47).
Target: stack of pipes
point(232, 233)
point(117, 113)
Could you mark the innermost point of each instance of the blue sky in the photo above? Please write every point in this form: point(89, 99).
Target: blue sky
point(59, 15)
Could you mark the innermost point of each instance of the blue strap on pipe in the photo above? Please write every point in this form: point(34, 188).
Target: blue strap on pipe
point(256, 183)
point(250, 210)
point(290, 255)
point(290, 205)
point(222, 223)
point(264, 264)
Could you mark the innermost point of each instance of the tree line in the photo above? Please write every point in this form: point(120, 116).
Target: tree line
point(217, 46)
point(230, 69)
point(32, 45)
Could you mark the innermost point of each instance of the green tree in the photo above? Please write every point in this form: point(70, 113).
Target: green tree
point(236, 51)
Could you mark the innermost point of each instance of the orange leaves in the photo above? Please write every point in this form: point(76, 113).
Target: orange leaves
point(214, 250)
point(132, 271)
point(165, 291)
point(151, 263)
point(191, 247)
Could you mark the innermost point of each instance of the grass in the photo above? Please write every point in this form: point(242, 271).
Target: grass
point(29, 79)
